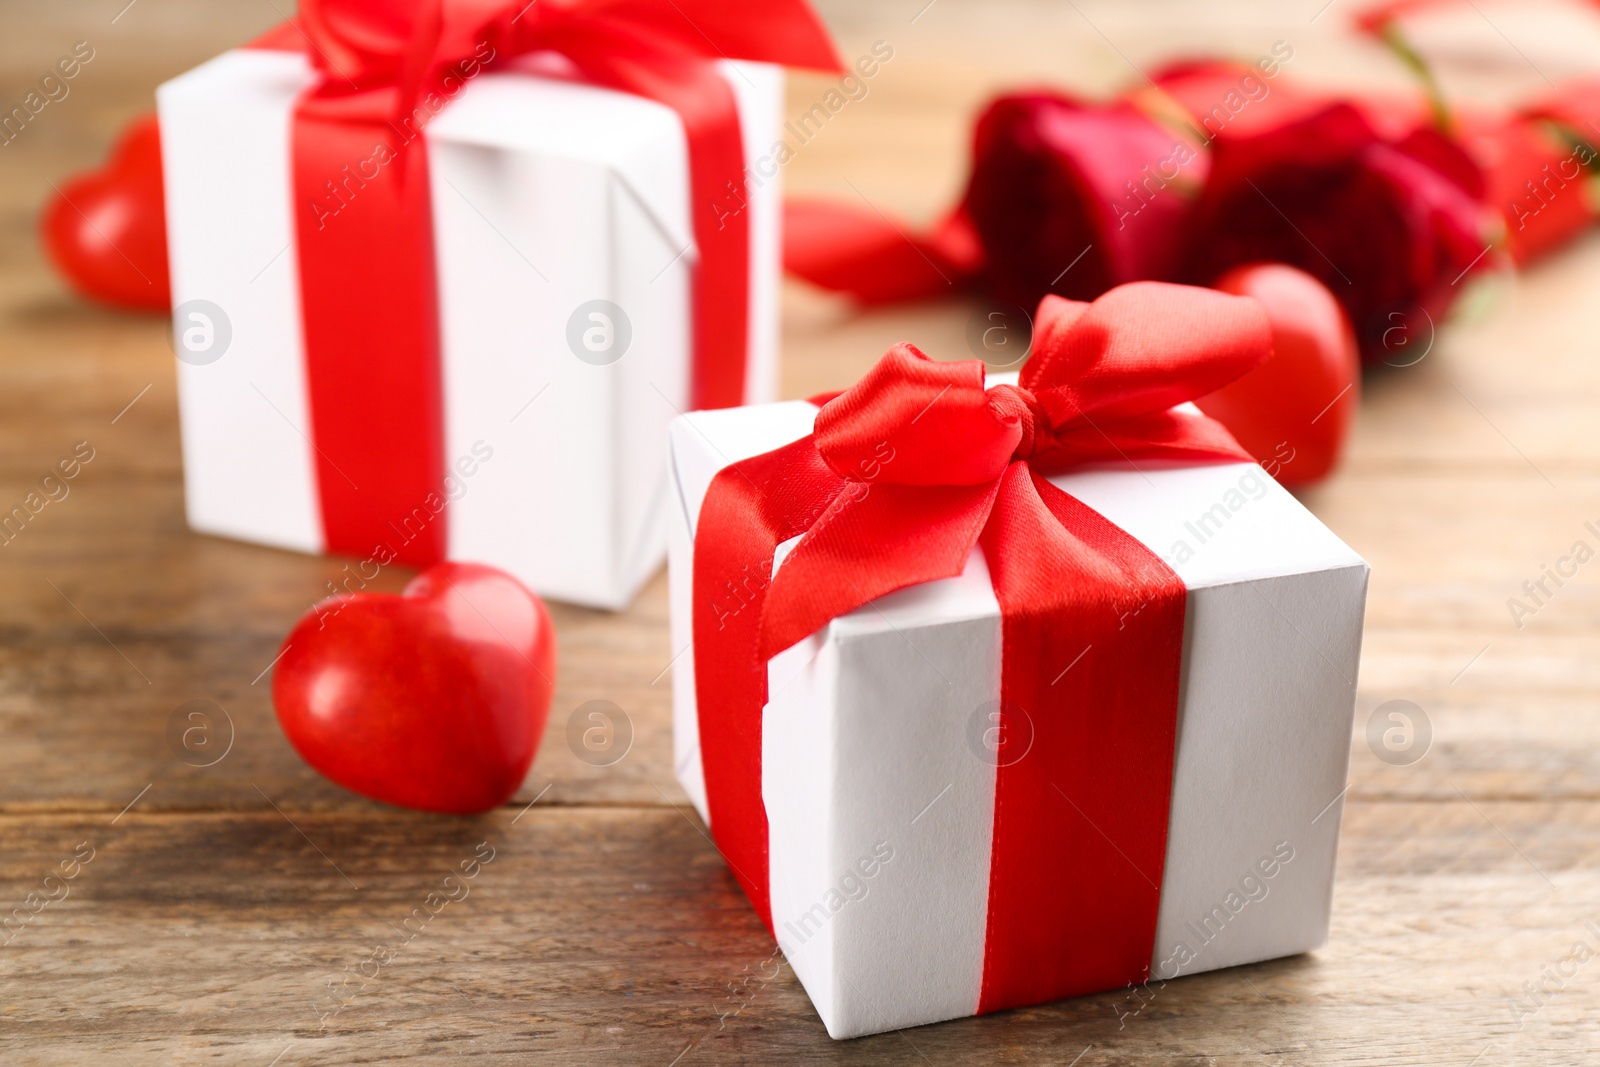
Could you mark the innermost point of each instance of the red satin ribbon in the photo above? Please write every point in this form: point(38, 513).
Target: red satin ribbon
point(368, 289)
point(904, 474)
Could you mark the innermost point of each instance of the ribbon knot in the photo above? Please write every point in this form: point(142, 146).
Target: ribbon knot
point(1014, 403)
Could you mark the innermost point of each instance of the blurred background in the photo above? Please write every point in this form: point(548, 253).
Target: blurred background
point(1466, 472)
point(949, 56)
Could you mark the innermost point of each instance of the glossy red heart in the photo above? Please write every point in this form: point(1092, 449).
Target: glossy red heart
point(434, 699)
point(1293, 412)
point(106, 230)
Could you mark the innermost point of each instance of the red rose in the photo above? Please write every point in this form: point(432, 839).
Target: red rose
point(1216, 166)
point(1536, 160)
point(1073, 199)
point(1384, 209)
point(1065, 197)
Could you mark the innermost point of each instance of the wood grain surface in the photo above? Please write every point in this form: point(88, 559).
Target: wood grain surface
point(249, 912)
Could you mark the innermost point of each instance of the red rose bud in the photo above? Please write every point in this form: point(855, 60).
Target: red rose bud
point(1541, 164)
point(1073, 199)
point(1385, 210)
point(1535, 176)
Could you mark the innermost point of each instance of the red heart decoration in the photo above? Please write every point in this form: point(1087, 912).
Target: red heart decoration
point(434, 699)
point(1293, 412)
point(106, 230)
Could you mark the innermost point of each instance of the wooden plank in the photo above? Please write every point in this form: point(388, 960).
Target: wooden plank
point(614, 935)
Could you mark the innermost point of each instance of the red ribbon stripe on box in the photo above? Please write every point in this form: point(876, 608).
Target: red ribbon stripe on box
point(368, 290)
point(903, 475)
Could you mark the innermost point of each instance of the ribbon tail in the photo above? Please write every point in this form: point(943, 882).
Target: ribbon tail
point(873, 259)
point(1092, 646)
point(873, 539)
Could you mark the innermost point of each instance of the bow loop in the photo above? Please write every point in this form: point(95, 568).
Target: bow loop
point(1140, 349)
point(357, 41)
point(916, 421)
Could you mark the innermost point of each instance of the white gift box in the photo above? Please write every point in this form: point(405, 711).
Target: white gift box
point(547, 194)
point(866, 751)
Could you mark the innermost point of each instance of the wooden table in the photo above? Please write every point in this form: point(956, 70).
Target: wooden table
point(222, 903)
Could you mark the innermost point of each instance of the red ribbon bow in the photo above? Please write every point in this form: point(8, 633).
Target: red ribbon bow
point(904, 474)
point(367, 278)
